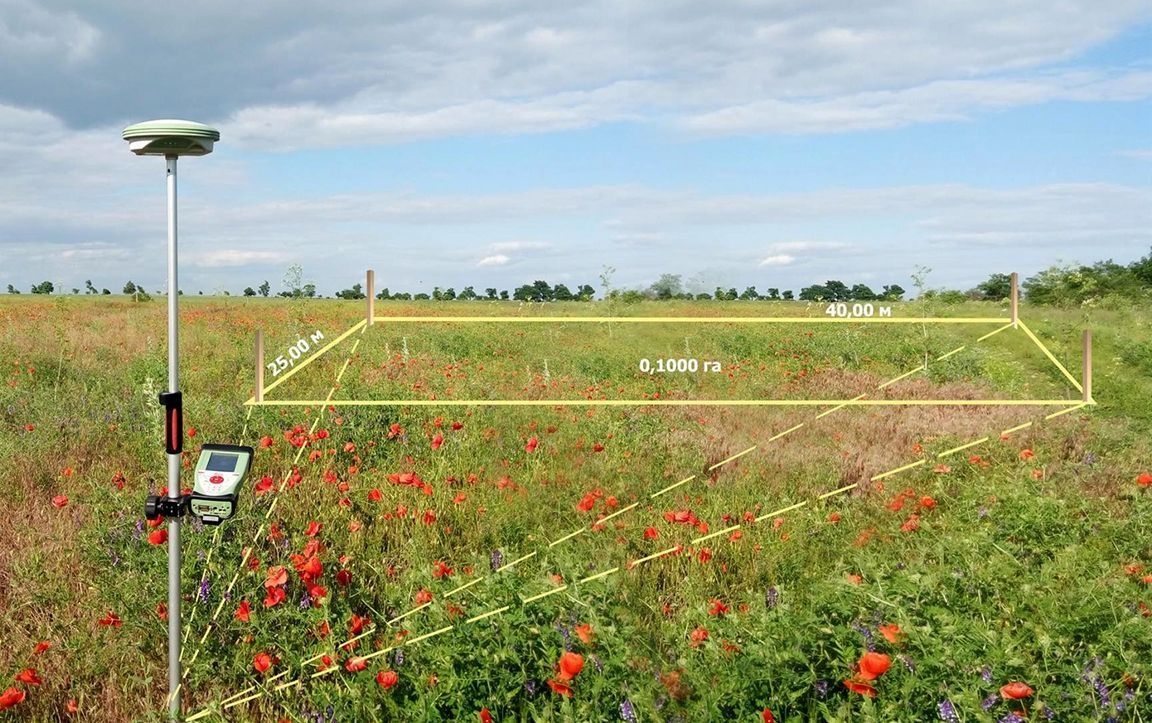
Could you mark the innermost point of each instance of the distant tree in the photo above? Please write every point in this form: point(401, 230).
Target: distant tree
point(249, 291)
point(862, 292)
point(773, 294)
point(356, 292)
point(449, 294)
point(89, 288)
point(12, 289)
point(788, 295)
point(437, 294)
point(523, 293)
point(105, 292)
point(542, 291)
point(490, 293)
point(996, 287)
point(44, 287)
point(560, 292)
point(129, 288)
point(892, 292)
point(666, 287)
point(384, 294)
point(815, 292)
point(750, 294)
point(585, 292)
point(421, 297)
point(309, 291)
point(703, 296)
point(838, 290)
point(504, 294)
point(75, 291)
point(468, 294)
point(1142, 270)
point(402, 296)
point(264, 289)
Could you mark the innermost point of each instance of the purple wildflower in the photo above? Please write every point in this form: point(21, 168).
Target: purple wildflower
point(496, 560)
point(908, 663)
point(990, 701)
point(868, 642)
point(986, 674)
point(305, 601)
point(139, 529)
point(398, 658)
point(821, 687)
point(947, 711)
point(771, 597)
point(627, 712)
point(205, 590)
point(1011, 718)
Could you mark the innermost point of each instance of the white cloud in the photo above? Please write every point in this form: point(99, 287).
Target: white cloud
point(806, 245)
point(236, 257)
point(942, 100)
point(495, 260)
point(777, 260)
point(505, 246)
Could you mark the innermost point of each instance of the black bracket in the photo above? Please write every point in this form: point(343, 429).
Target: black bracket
point(173, 403)
point(156, 506)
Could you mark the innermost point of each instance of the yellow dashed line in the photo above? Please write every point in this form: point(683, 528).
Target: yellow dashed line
point(735, 456)
point(671, 487)
point(597, 576)
point(882, 475)
point(488, 614)
point(954, 450)
point(553, 591)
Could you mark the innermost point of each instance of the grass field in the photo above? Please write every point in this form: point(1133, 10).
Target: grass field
point(372, 540)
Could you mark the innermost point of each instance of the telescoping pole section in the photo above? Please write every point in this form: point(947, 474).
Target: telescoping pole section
point(371, 294)
point(173, 454)
point(1015, 296)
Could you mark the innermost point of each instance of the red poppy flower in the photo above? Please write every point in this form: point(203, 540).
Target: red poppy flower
point(1144, 479)
point(531, 445)
point(276, 577)
point(892, 633)
point(244, 612)
point(314, 528)
point(60, 501)
point(650, 533)
point(441, 570)
point(355, 664)
point(560, 688)
point(437, 441)
point(767, 716)
point(697, 636)
point(862, 688)
point(265, 442)
point(11, 697)
point(41, 647)
point(1027, 454)
point(343, 578)
point(274, 597)
point(387, 679)
point(570, 665)
point(1016, 691)
point(597, 447)
point(717, 608)
point(264, 485)
point(262, 662)
point(423, 597)
point(162, 611)
point(110, 620)
point(584, 632)
point(485, 716)
point(158, 537)
point(834, 518)
point(28, 675)
point(873, 665)
point(457, 425)
point(72, 706)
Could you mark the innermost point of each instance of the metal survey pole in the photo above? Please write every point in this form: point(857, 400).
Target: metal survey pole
point(173, 458)
point(172, 138)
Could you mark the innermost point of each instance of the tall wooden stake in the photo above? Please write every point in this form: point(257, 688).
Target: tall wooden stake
point(371, 295)
point(259, 366)
point(1087, 378)
point(1015, 300)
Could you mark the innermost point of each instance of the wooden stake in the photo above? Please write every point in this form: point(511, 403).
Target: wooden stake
point(1087, 378)
point(259, 366)
point(1015, 300)
point(371, 295)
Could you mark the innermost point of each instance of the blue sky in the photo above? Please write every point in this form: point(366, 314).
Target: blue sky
point(775, 144)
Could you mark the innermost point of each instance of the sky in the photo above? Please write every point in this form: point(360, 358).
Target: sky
point(774, 143)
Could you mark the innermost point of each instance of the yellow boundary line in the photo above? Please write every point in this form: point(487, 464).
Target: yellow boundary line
point(824, 496)
point(1048, 354)
point(319, 353)
point(683, 320)
point(665, 402)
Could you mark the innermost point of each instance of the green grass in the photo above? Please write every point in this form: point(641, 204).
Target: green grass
point(1018, 570)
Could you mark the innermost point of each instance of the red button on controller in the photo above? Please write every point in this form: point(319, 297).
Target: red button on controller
point(216, 479)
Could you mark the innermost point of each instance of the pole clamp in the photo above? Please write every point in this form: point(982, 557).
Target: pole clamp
point(173, 404)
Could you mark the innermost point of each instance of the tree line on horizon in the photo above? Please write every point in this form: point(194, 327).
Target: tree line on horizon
point(1061, 284)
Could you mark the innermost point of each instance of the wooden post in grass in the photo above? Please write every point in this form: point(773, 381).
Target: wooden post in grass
point(1015, 295)
point(259, 396)
point(371, 292)
point(1087, 378)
